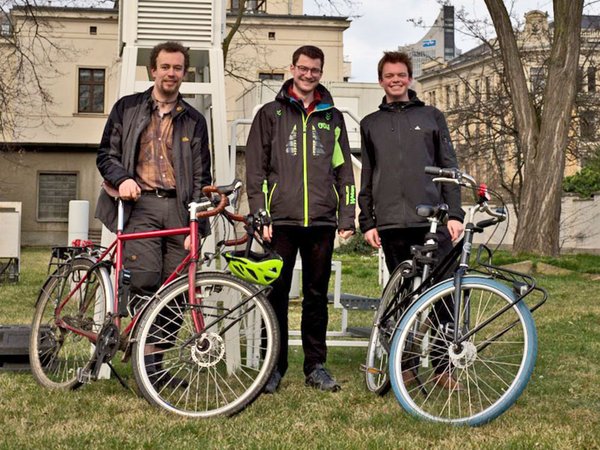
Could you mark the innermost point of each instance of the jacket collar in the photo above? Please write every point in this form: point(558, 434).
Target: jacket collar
point(326, 98)
point(180, 108)
point(413, 100)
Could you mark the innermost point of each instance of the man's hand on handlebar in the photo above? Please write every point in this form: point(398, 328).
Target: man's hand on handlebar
point(129, 190)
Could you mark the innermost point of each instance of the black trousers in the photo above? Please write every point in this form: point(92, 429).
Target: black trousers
point(316, 249)
point(396, 243)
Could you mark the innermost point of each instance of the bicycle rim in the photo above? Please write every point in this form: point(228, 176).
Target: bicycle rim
point(472, 384)
point(55, 353)
point(376, 364)
point(218, 371)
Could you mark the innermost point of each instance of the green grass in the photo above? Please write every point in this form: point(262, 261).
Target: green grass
point(559, 409)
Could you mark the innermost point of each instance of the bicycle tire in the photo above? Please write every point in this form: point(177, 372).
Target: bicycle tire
point(219, 372)
point(490, 372)
point(55, 353)
point(376, 364)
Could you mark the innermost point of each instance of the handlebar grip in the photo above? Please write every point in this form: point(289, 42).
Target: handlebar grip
point(486, 223)
point(442, 172)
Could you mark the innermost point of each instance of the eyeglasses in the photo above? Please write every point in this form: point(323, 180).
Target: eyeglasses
point(314, 71)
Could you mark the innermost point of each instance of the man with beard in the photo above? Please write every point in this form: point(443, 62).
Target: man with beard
point(154, 152)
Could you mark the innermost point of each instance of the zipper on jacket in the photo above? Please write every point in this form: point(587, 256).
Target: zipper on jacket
point(270, 198)
point(305, 116)
point(304, 167)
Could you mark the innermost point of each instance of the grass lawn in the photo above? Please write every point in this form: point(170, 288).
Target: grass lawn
point(559, 409)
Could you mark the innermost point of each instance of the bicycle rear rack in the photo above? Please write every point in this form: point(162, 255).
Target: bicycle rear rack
point(64, 254)
point(522, 283)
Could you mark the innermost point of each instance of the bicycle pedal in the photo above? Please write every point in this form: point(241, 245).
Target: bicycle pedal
point(84, 375)
point(371, 370)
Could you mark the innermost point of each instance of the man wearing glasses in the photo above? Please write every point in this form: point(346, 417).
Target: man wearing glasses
point(299, 170)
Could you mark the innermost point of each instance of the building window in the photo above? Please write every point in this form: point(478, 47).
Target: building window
point(488, 88)
point(91, 91)
point(271, 35)
point(262, 76)
point(93, 30)
point(537, 79)
point(456, 96)
point(591, 79)
point(587, 125)
point(55, 190)
point(448, 104)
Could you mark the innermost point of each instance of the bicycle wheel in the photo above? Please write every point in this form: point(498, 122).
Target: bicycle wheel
point(480, 380)
point(217, 371)
point(376, 364)
point(55, 353)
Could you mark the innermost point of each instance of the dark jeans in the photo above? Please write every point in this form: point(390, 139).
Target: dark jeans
point(396, 245)
point(316, 249)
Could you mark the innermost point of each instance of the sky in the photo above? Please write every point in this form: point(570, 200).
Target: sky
point(384, 25)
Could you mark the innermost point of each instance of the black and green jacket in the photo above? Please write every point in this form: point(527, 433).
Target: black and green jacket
point(298, 164)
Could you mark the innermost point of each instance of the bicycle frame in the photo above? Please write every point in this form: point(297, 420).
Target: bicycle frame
point(114, 255)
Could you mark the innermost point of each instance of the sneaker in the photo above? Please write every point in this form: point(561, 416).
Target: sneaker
point(320, 379)
point(273, 383)
point(447, 381)
point(408, 377)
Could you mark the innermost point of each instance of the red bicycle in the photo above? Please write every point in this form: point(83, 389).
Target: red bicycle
point(205, 344)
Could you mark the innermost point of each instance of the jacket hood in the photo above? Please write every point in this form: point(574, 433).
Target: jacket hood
point(326, 98)
point(413, 100)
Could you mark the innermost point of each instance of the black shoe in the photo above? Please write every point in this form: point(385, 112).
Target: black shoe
point(273, 383)
point(320, 379)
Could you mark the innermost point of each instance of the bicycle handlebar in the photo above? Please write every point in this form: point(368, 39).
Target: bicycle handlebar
point(453, 175)
point(220, 202)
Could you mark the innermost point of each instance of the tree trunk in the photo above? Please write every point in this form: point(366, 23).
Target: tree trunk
point(539, 224)
point(543, 142)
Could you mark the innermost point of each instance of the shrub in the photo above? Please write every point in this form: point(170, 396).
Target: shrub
point(587, 181)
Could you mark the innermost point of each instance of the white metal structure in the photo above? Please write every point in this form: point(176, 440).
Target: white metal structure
point(197, 24)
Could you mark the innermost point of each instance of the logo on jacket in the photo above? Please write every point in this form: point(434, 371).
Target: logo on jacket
point(323, 125)
point(279, 112)
point(318, 148)
point(291, 147)
point(185, 139)
point(417, 127)
point(328, 116)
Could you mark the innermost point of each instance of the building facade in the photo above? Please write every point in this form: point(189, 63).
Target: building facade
point(472, 92)
point(48, 155)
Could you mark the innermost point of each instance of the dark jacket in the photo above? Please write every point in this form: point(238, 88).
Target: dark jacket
point(398, 141)
point(298, 165)
point(119, 147)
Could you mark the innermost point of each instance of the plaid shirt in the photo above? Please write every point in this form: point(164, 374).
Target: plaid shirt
point(154, 169)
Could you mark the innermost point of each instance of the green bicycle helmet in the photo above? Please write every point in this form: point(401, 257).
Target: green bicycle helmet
point(256, 268)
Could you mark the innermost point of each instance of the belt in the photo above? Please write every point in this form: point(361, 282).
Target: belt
point(162, 193)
